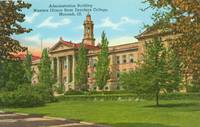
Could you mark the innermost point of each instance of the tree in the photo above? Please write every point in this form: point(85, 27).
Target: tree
point(136, 81)
point(11, 75)
point(27, 66)
point(10, 19)
point(81, 68)
point(45, 75)
point(12, 72)
point(174, 69)
point(155, 74)
point(155, 63)
point(181, 18)
point(195, 76)
point(102, 68)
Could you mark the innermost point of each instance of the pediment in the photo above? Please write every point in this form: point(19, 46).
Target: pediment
point(60, 46)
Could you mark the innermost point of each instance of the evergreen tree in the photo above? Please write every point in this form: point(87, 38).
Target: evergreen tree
point(27, 67)
point(10, 19)
point(12, 72)
point(102, 68)
point(45, 75)
point(81, 68)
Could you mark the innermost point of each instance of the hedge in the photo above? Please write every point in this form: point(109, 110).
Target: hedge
point(96, 92)
point(131, 96)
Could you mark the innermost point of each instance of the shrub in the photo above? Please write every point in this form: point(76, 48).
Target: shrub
point(59, 88)
point(193, 88)
point(73, 92)
point(26, 96)
point(45, 91)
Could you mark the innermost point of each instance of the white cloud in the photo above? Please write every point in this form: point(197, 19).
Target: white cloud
point(32, 39)
point(125, 20)
point(31, 18)
point(120, 40)
point(35, 41)
point(54, 24)
point(108, 23)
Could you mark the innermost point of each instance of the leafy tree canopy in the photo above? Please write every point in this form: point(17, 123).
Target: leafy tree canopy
point(159, 72)
point(181, 18)
point(10, 18)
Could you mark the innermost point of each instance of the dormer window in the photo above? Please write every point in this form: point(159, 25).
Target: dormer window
point(88, 30)
point(124, 59)
point(131, 58)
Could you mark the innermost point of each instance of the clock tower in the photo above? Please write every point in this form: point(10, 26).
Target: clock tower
point(88, 38)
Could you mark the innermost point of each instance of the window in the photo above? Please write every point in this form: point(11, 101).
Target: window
point(142, 58)
point(65, 63)
point(131, 69)
point(118, 75)
point(93, 75)
point(65, 79)
point(106, 88)
point(94, 62)
point(95, 88)
point(124, 70)
point(118, 59)
point(131, 59)
point(34, 82)
point(124, 59)
point(90, 61)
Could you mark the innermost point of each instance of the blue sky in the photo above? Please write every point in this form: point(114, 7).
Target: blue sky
point(121, 22)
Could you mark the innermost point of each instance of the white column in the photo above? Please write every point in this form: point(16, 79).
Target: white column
point(73, 71)
point(52, 67)
point(52, 63)
point(67, 62)
point(73, 68)
point(58, 70)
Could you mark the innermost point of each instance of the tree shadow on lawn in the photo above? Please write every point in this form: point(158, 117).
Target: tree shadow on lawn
point(190, 106)
point(177, 105)
point(141, 125)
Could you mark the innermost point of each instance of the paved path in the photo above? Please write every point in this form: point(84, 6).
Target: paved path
point(24, 120)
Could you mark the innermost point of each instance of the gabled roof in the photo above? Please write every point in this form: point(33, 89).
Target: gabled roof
point(77, 45)
point(73, 45)
point(154, 30)
point(22, 57)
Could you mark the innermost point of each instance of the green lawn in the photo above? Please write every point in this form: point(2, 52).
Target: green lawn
point(179, 113)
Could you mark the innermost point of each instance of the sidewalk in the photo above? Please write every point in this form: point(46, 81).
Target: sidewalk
point(9, 119)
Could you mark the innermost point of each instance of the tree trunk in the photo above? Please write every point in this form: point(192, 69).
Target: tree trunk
point(157, 98)
point(186, 82)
